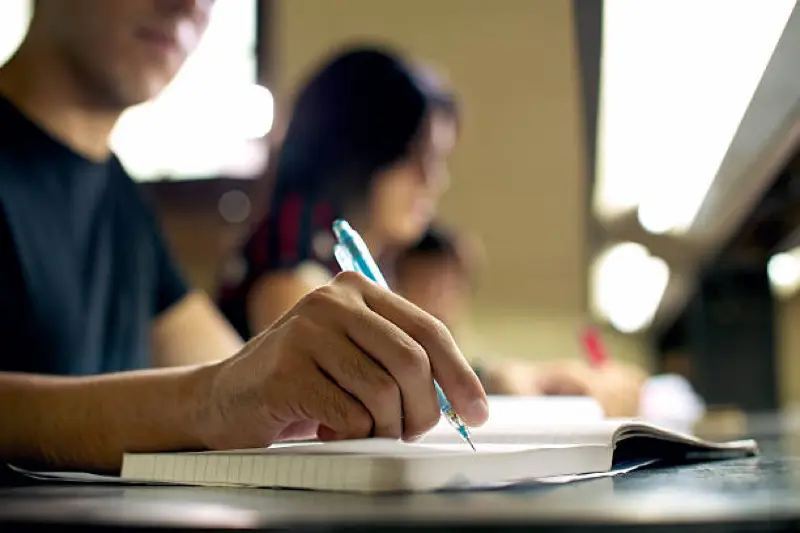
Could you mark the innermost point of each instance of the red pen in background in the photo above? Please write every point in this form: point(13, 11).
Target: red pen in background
point(592, 343)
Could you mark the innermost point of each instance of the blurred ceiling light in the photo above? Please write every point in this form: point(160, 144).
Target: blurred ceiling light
point(655, 221)
point(677, 77)
point(784, 272)
point(627, 286)
point(234, 206)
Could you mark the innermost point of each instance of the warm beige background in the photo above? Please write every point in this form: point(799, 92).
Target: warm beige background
point(518, 171)
point(788, 320)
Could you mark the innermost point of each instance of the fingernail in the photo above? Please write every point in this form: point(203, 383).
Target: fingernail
point(478, 411)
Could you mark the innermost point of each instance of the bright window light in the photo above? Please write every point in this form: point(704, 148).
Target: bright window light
point(627, 286)
point(208, 121)
point(784, 272)
point(677, 77)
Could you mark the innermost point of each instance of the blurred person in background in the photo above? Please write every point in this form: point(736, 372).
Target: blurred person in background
point(368, 140)
point(90, 297)
point(439, 273)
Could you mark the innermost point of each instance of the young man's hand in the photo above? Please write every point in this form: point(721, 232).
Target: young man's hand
point(350, 360)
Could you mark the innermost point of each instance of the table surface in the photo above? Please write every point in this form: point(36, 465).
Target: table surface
point(743, 494)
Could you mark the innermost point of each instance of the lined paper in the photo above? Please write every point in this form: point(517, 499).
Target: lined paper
point(311, 471)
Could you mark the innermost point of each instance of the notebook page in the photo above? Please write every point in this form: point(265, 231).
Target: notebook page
point(356, 446)
point(371, 447)
point(545, 433)
point(539, 409)
point(522, 411)
point(645, 429)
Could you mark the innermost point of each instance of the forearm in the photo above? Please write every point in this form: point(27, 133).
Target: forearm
point(274, 294)
point(89, 422)
point(193, 332)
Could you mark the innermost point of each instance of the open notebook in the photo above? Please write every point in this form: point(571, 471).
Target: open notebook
point(438, 462)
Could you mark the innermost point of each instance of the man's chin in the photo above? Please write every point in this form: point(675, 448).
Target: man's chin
point(133, 94)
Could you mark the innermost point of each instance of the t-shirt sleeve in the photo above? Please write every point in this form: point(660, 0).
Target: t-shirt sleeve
point(293, 233)
point(171, 286)
point(296, 231)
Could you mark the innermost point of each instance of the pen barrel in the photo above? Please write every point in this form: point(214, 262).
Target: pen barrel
point(344, 258)
point(444, 403)
point(362, 260)
point(370, 270)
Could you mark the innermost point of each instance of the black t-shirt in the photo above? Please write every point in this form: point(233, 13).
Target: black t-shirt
point(83, 268)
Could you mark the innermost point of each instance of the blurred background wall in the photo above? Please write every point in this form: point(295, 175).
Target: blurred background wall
point(789, 350)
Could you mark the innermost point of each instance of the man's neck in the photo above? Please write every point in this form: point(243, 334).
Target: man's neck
point(41, 87)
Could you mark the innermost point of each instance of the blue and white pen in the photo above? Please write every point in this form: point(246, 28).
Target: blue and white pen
point(353, 255)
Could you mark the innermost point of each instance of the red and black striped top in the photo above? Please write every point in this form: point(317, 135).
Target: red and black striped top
point(297, 230)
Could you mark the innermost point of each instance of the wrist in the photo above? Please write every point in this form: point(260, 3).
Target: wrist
point(197, 408)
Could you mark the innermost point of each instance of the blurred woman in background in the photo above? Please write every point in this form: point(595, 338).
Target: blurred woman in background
point(368, 140)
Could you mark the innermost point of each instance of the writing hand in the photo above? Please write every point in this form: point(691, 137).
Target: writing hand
point(350, 360)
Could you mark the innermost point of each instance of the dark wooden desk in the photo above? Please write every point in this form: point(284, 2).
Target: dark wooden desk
point(754, 494)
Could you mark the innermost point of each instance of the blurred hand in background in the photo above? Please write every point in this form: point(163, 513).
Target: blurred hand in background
point(615, 386)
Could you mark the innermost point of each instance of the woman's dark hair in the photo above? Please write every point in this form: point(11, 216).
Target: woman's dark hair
point(436, 242)
point(356, 116)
